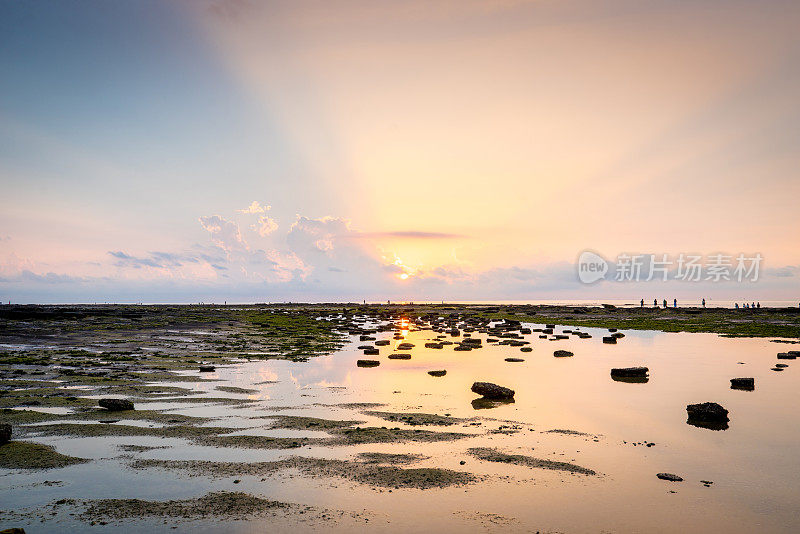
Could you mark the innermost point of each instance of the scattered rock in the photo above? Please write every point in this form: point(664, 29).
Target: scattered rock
point(515, 360)
point(562, 353)
point(670, 477)
point(492, 391)
point(610, 340)
point(630, 372)
point(115, 405)
point(207, 369)
point(526, 349)
point(372, 351)
point(708, 415)
point(437, 373)
point(787, 356)
point(748, 384)
point(368, 363)
point(782, 365)
point(399, 356)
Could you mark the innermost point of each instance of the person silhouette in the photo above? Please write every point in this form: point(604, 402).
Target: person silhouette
point(758, 305)
point(737, 305)
point(674, 303)
point(704, 303)
point(641, 304)
point(665, 303)
point(655, 303)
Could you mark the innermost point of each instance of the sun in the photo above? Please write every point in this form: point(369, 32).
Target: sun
point(404, 276)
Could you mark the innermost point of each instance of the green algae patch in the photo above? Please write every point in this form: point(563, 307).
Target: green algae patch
point(356, 436)
point(293, 422)
point(415, 419)
point(217, 504)
point(234, 389)
point(367, 473)
point(390, 458)
point(24, 417)
point(26, 455)
point(493, 455)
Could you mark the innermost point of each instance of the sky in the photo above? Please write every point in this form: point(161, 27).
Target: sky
point(265, 151)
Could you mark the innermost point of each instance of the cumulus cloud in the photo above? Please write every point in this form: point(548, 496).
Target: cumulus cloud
point(254, 208)
point(224, 233)
point(266, 225)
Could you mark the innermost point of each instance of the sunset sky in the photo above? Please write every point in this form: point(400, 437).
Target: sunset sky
point(249, 151)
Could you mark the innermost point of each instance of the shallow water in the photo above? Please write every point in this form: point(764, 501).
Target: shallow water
point(753, 464)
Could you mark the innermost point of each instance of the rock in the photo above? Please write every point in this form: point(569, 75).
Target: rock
point(794, 353)
point(513, 360)
point(776, 368)
point(115, 405)
point(526, 349)
point(366, 338)
point(630, 371)
point(368, 363)
point(612, 329)
point(743, 383)
point(372, 351)
point(405, 346)
point(781, 365)
point(382, 343)
point(786, 356)
point(618, 335)
point(550, 326)
point(5, 433)
point(462, 347)
point(462, 462)
point(670, 477)
point(562, 353)
point(610, 340)
point(399, 356)
point(707, 415)
point(437, 373)
point(207, 369)
point(364, 347)
point(433, 345)
point(14, 530)
point(492, 391)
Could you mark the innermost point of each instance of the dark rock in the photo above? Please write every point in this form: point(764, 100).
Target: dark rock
point(562, 353)
point(515, 360)
point(115, 405)
point(707, 415)
point(207, 369)
point(372, 351)
point(670, 477)
point(14, 530)
point(610, 340)
point(748, 384)
point(5, 433)
point(526, 349)
point(462, 347)
point(433, 345)
point(776, 368)
point(781, 365)
point(437, 373)
point(786, 356)
point(399, 356)
point(405, 346)
point(368, 363)
point(630, 372)
point(382, 343)
point(618, 335)
point(492, 391)
point(366, 338)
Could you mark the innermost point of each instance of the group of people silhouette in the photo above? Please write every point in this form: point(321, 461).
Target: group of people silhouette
point(675, 304)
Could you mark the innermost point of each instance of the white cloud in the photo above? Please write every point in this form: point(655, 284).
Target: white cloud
point(266, 225)
point(224, 233)
point(254, 208)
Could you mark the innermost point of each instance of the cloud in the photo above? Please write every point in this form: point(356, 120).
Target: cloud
point(224, 233)
point(266, 225)
point(254, 208)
